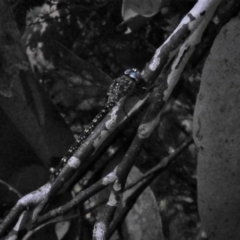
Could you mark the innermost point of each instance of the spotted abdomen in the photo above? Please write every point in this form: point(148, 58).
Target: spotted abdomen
point(120, 87)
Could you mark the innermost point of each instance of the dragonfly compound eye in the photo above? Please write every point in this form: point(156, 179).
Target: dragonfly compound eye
point(134, 74)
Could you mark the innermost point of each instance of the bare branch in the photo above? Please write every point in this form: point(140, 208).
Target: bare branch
point(168, 50)
point(164, 163)
point(11, 188)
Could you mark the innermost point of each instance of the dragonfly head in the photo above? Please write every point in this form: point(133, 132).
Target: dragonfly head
point(133, 74)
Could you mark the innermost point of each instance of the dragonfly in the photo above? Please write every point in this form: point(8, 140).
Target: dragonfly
point(77, 77)
point(120, 87)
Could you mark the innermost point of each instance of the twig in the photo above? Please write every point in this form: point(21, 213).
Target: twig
point(62, 219)
point(130, 201)
point(163, 164)
point(187, 49)
point(81, 197)
point(187, 26)
point(11, 188)
point(29, 200)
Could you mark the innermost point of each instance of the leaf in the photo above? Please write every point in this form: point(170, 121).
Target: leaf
point(217, 135)
point(137, 13)
point(132, 24)
point(61, 229)
point(146, 8)
point(143, 221)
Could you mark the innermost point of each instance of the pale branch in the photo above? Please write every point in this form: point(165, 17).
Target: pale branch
point(79, 198)
point(186, 51)
point(169, 48)
point(129, 203)
point(25, 202)
point(146, 127)
point(13, 234)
